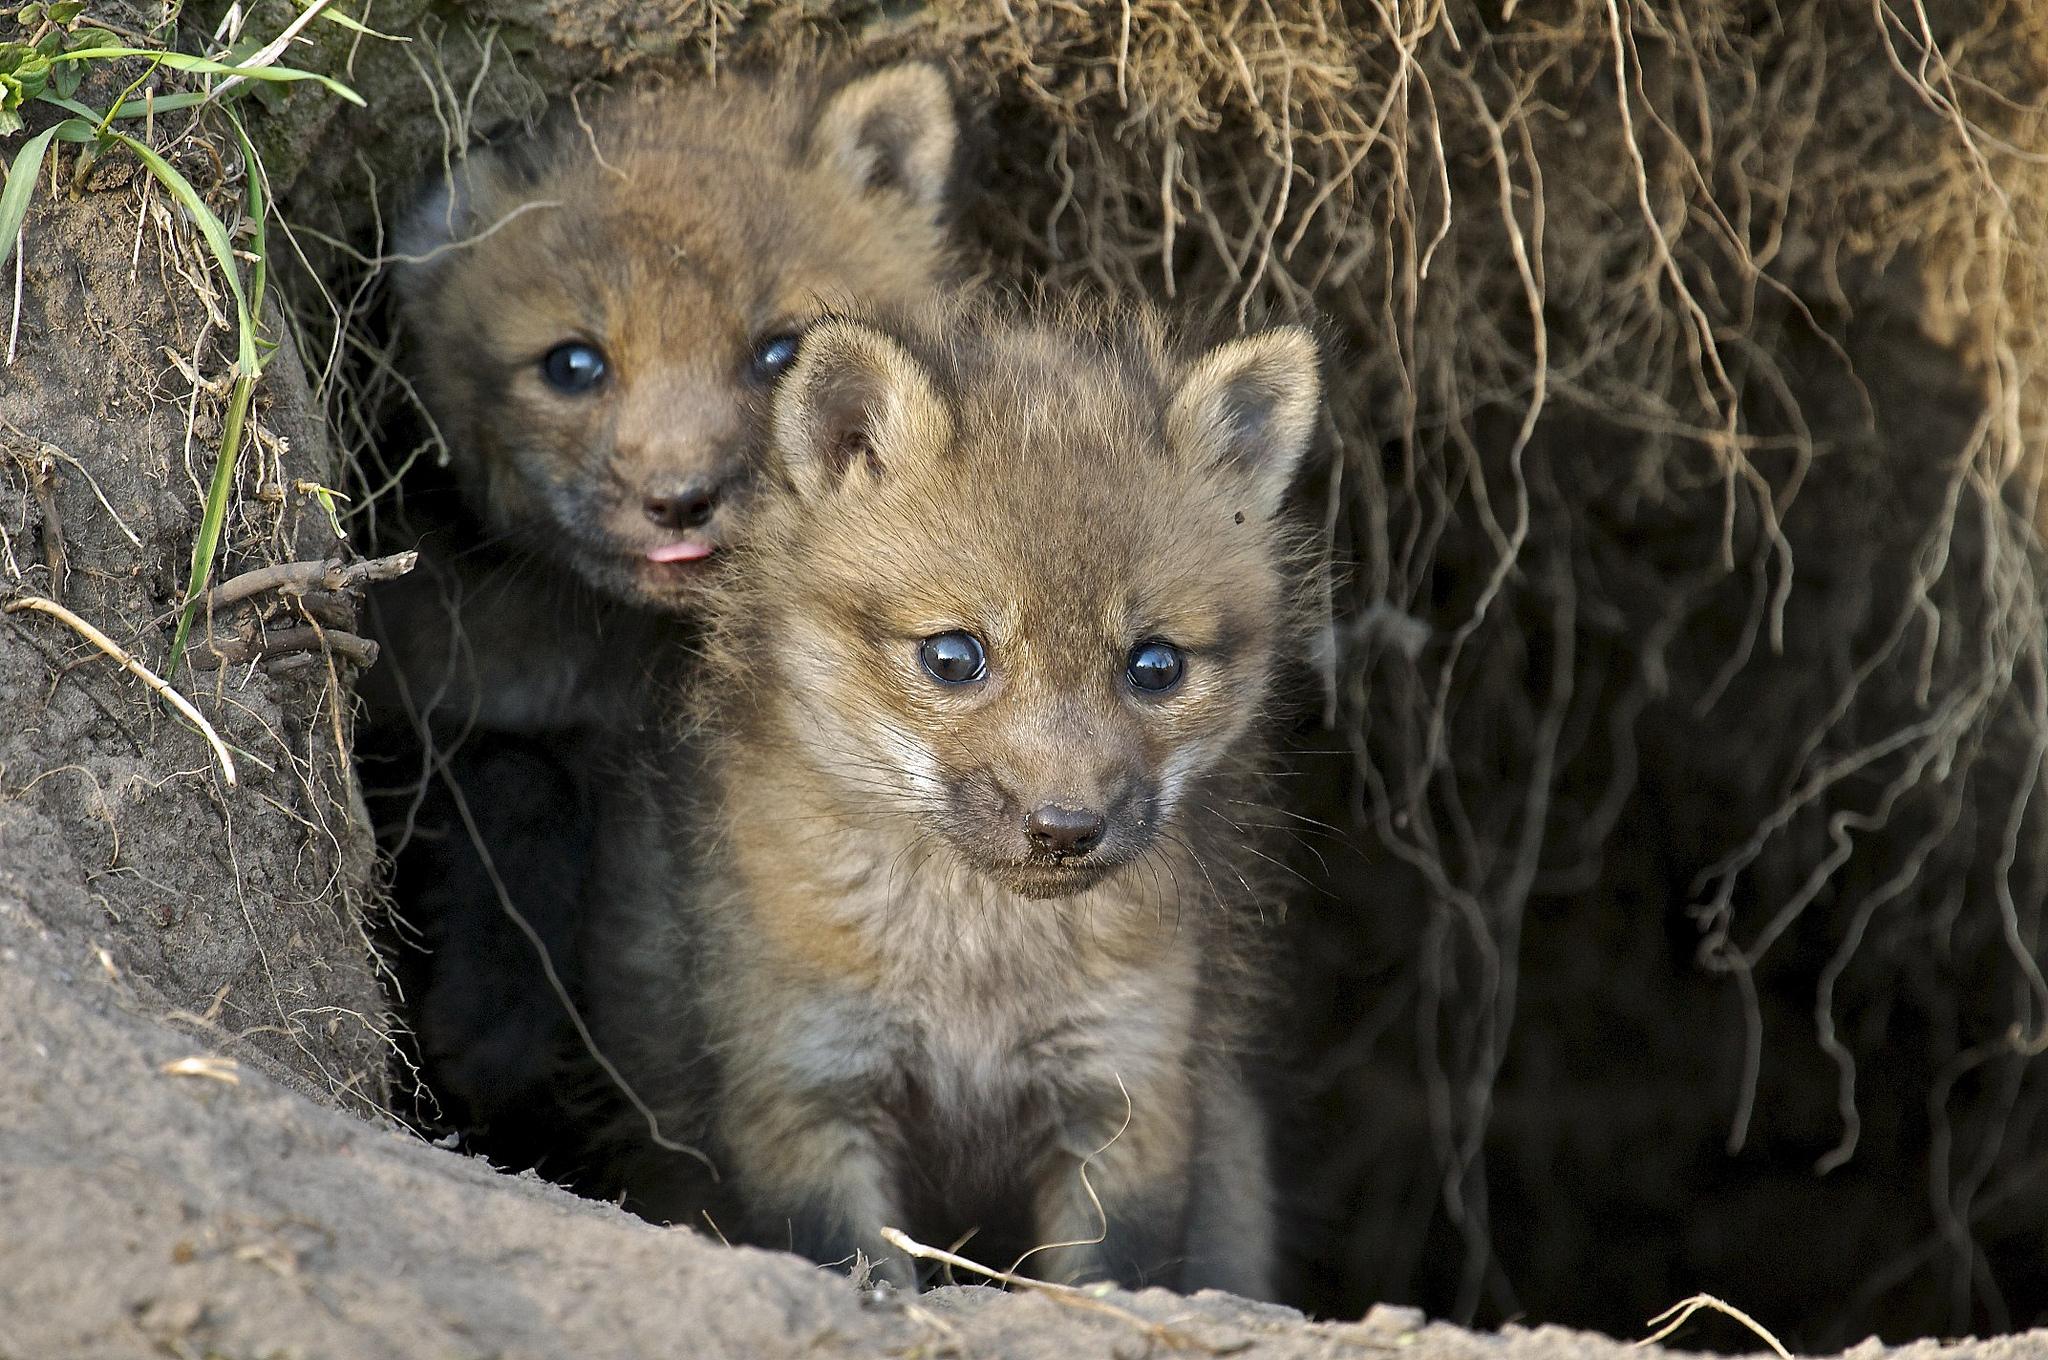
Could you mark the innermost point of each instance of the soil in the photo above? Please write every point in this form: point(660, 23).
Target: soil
point(239, 908)
point(151, 1214)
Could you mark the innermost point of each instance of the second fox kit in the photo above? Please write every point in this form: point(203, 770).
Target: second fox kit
point(939, 921)
point(597, 313)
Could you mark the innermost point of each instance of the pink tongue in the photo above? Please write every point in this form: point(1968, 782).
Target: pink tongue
point(685, 551)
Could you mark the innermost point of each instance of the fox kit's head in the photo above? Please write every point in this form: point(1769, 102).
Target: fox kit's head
point(601, 310)
point(1023, 585)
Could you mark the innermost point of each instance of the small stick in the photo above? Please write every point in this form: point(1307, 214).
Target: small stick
point(284, 642)
point(134, 668)
point(223, 1070)
point(44, 484)
point(298, 577)
point(272, 50)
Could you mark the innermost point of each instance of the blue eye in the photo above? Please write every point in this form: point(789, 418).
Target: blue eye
point(954, 658)
point(1155, 666)
point(574, 367)
point(772, 355)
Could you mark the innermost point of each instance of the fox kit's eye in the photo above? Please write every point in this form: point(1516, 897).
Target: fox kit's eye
point(1155, 666)
point(771, 355)
point(574, 367)
point(954, 658)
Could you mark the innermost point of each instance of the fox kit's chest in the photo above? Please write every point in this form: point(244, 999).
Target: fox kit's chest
point(979, 1084)
point(945, 997)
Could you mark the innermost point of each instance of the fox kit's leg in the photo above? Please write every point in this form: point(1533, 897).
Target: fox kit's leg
point(815, 1182)
point(1229, 1241)
point(1138, 1178)
point(800, 1131)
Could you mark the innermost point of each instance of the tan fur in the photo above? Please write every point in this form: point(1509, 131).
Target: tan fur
point(674, 229)
point(837, 959)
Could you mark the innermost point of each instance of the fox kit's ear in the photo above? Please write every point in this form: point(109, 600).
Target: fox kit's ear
point(447, 214)
point(1250, 406)
point(481, 185)
point(893, 130)
point(854, 405)
point(421, 243)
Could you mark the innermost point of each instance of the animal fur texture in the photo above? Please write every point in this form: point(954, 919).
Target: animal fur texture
point(971, 958)
point(672, 242)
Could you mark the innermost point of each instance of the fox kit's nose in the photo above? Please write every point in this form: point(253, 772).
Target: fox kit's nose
point(1065, 830)
point(688, 506)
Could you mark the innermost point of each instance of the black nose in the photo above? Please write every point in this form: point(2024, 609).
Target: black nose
point(689, 506)
point(1065, 830)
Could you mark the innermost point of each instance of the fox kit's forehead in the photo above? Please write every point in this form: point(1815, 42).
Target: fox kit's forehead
point(666, 251)
point(1055, 513)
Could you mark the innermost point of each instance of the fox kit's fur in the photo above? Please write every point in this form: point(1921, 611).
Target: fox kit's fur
point(600, 311)
point(596, 316)
point(937, 922)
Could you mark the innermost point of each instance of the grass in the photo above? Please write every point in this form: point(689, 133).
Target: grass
point(46, 67)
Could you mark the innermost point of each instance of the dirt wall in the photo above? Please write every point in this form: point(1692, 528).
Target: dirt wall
point(234, 910)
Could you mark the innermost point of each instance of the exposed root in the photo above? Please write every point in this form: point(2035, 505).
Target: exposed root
point(297, 578)
point(1066, 1295)
point(129, 663)
point(1676, 1316)
point(279, 642)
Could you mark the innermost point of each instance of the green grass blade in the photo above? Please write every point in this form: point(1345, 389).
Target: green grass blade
point(216, 237)
point(334, 16)
point(258, 210)
point(100, 128)
point(213, 517)
point(134, 108)
point(207, 66)
point(19, 188)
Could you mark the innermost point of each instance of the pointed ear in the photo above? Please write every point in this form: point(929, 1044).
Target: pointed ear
point(854, 405)
point(480, 186)
point(447, 213)
point(893, 130)
point(438, 220)
point(1249, 407)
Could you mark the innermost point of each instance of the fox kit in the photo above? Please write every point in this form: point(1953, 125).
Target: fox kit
point(939, 920)
point(597, 314)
